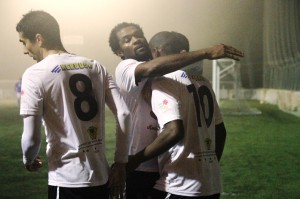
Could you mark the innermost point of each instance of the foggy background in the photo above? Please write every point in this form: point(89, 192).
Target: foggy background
point(86, 24)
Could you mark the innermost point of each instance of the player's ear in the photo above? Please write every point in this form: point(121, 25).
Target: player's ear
point(155, 52)
point(39, 39)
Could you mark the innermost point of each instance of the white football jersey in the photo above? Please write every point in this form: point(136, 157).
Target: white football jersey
point(143, 126)
point(189, 168)
point(69, 92)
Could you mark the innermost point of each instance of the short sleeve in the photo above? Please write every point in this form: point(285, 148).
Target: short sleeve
point(31, 95)
point(164, 102)
point(125, 77)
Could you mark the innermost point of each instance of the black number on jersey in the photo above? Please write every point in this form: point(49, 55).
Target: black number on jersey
point(199, 95)
point(84, 95)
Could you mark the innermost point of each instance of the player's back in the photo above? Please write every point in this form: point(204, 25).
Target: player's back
point(71, 97)
point(199, 109)
point(193, 163)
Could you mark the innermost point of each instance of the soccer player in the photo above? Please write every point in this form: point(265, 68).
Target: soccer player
point(69, 92)
point(192, 133)
point(127, 40)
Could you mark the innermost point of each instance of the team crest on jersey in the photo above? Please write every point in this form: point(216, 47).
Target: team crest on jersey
point(208, 143)
point(92, 131)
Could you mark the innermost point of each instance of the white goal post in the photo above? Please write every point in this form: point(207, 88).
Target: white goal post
point(221, 68)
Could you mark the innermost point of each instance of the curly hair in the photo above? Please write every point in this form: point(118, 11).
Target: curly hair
point(113, 39)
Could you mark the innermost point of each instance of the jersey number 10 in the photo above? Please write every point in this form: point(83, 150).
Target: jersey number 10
point(208, 110)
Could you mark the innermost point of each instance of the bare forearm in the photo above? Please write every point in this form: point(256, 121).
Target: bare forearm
point(172, 133)
point(164, 142)
point(166, 64)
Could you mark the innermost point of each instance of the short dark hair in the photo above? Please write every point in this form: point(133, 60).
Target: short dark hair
point(113, 39)
point(169, 42)
point(40, 22)
point(185, 44)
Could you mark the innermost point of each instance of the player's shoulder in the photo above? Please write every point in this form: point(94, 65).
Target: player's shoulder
point(89, 63)
point(179, 76)
point(78, 58)
point(33, 69)
point(197, 77)
point(126, 63)
point(125, 69)
point(176, 75)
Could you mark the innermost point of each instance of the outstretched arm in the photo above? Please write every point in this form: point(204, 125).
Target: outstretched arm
point(166, 64)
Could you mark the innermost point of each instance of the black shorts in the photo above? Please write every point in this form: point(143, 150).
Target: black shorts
point(140, 184)
point(156, 194)
point(95, 192)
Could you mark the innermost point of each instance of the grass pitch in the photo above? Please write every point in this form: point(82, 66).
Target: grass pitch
point(260, 160)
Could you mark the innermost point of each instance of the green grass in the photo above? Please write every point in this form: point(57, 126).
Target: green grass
point(16, 181)
point(261, 156)
point(260, 160)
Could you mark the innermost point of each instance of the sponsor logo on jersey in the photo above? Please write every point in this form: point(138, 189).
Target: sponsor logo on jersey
point(75, 66)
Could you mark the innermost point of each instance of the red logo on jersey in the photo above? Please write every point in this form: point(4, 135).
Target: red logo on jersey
point(22, 92)
point(165, 102)
point(164, 105)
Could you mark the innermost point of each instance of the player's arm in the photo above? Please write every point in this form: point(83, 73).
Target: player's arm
point(166, 64)
point(172, 133)
point(30, 142)
point(169, 119)
point(220, 139)
point(116, 104)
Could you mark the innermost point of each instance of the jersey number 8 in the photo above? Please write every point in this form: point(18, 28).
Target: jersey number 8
point(84, 95)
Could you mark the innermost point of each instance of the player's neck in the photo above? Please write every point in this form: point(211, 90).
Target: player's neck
point(52, 52)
